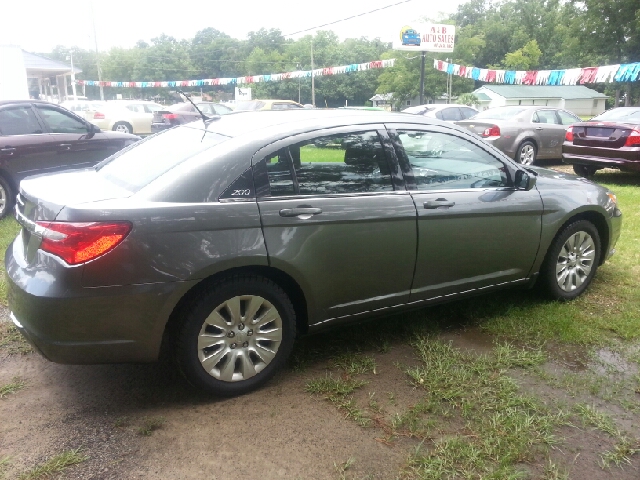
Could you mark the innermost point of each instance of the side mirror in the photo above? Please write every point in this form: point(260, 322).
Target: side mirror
point(524, 180)
point(92, 130)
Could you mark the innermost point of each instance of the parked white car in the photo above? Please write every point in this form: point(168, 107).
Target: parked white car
point(449, 112)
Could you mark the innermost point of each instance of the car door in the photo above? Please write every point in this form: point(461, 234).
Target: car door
point(24, 144)
point(333, 221)
point(140, 118)
point(475, 229)
point(73, 144)
point(550, 132)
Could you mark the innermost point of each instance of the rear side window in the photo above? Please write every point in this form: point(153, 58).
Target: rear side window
point(138, 165)
point(451, 114)
point(566, 118)
point(18, 121)
point(336, 164)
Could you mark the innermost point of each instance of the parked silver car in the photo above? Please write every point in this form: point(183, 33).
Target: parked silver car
point(524, 133)
point(220, 241)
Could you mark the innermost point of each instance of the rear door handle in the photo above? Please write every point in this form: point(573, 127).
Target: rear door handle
point(7, 151)
point(440, 202)
point(300, 212)
point(66, 146)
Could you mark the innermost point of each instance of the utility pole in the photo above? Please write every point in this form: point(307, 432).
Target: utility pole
point(313, 85)
point(73, 77)
point(95, 38)
point(422, 80)
point(298, 67)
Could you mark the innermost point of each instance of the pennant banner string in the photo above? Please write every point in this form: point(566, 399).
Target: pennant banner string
point(275, 77)
point(627, 72)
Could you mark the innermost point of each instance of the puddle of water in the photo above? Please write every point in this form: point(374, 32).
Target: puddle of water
point(472, 339)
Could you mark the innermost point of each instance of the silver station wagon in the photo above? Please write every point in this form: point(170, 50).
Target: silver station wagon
point(220, 241)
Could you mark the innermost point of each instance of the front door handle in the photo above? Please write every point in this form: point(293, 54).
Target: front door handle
point(440, 202)
point(65, 146)
point(300, 212)
point(7, 151)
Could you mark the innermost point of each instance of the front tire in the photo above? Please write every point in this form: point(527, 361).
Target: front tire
point(7, 197)
point(526, 153)
point(586, 171)
point(572, 260)
point(236, 335)
point(122, 127)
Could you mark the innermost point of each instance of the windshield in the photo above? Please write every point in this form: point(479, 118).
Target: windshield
point(500, 113)
point(622, 114)
point(248, 106)
point(144, 161)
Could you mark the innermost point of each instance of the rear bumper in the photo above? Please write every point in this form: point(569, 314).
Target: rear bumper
point(602, 162)
point(159, 127)
point(75, 325)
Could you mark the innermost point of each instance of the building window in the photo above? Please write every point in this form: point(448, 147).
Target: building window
point(595, 104)
point(408, 103)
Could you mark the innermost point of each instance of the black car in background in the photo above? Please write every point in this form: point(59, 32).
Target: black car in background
point(608, 140)
point(184, 113)
point(40, 137)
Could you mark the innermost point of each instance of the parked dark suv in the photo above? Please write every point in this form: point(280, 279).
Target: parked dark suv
point(40, 137)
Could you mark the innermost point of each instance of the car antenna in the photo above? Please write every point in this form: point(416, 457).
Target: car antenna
point(205, 119)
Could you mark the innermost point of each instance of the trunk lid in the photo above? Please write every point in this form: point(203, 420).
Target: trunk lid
point(601, 134)
point(476, 127)
point(158, 116)
point(41, 198)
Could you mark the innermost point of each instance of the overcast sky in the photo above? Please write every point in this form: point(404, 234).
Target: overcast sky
point(38, 25)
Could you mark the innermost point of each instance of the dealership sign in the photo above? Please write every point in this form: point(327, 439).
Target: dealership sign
point(425, 37)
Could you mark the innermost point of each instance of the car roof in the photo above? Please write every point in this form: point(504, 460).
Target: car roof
point(235, 124)
point(43, 102)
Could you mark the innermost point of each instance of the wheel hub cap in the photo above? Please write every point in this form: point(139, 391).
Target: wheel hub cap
point(575, 261)
point(239, 338)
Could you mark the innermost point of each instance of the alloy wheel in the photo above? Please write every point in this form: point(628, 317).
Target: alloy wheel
point(527, 154)
point(575, 261)
point(239, 338)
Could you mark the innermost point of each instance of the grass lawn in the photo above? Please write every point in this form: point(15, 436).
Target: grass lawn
point(311, 153)
point(9, 228)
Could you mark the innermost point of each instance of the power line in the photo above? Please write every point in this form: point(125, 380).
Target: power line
point(347, 18)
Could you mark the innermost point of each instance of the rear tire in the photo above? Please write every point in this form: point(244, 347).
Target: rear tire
point(7, 197)
point(586, 171)
point(572, 261)
point(526, 153)
point(122, 127)
point(236, 335)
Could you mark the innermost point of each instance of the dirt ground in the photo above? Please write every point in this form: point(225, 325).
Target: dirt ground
point(278, 432)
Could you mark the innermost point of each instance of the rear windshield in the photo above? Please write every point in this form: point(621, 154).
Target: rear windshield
point(631, 115)
point(144, 161)
point(502, 113)
point(420, 110)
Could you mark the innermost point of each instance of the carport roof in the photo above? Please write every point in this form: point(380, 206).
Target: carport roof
point(568, 92)
point(483, 97)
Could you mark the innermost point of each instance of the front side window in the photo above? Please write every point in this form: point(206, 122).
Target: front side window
point(18, 121)
point(443, 161)
point(60, 122)
point(336, 164)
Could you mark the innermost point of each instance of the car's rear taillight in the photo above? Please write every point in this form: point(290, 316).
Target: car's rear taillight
point(569, 135)
point(493, 131)
point(169, 116)
point(633, 139)
point(98, 116)
point(78, 243)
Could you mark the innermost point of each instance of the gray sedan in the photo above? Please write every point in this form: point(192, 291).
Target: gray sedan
point(219, 242)
point(523, 133)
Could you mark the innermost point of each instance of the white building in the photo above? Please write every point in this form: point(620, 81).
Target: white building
point(574, 98)
point(24, 74)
